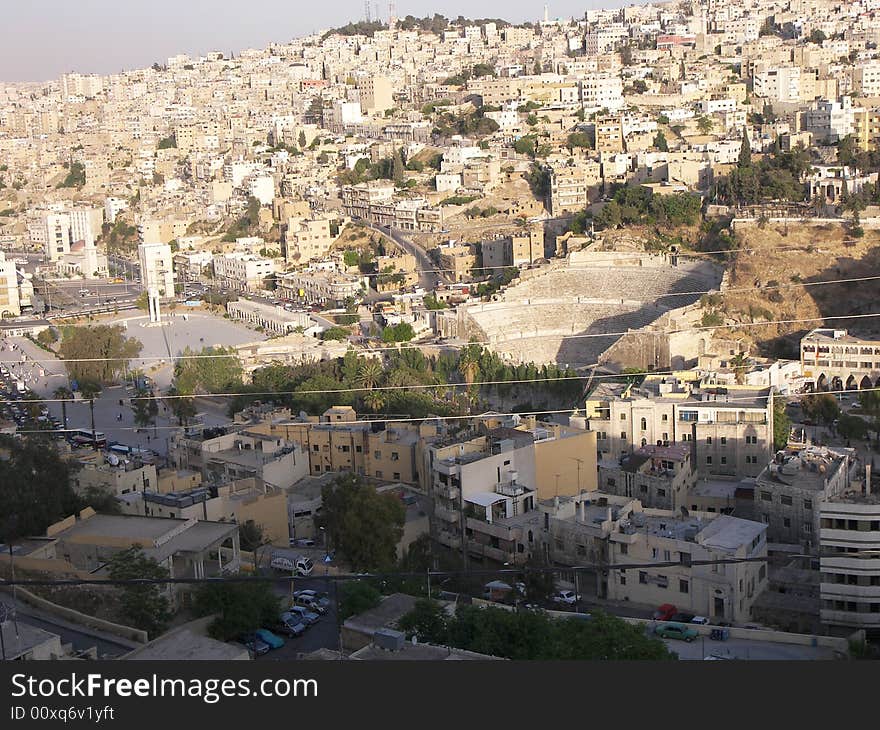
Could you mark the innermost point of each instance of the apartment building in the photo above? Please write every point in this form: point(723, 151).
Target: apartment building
point(243, 271)
point(789, 490)
point(10, 302)
point(834, 359)
point(242, 454)
point(376, 94)
point(730, 431)
point(660, 477)
point(866, 79)
point(574, 186)
point(849, 563)
point(515, 250)
point(157, 268)
point(609, 135)
point(238, 502)
point(718, 591)
point(338, 442)
point(601, 91)
point(458, 259)
point(320, 287)
point(306, 239)
point(778, 82)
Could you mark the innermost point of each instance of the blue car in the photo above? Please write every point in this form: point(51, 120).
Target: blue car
point(254, 643)
point(275, 642)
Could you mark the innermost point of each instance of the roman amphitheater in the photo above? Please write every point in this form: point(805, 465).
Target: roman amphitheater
point(574, 312)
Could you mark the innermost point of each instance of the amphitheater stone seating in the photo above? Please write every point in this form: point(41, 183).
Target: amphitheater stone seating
point(541, 319)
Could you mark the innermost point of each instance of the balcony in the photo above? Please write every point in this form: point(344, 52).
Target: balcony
point(446, 515)
point(847, 592)
point(850, 618)
point(487, 528)
point(449, 539)
point(446, 491)
point(487, 551)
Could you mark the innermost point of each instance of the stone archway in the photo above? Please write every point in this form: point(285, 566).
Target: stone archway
point(836, 383)
point(865, 382)
point(822, 382)
point(852, 383)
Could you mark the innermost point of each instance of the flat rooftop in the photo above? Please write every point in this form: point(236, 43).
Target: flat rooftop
point(729, 534)
point(186, 645)
point(148, 529)
point(808, 469)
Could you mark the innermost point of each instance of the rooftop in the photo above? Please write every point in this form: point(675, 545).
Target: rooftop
point(808, 469)
point(186, 645)
point(728, 534)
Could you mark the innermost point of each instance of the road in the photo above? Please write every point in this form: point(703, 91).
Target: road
point(429, 277)
point(81, 637)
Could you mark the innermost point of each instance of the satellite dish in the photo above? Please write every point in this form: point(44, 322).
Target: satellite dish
point(113, 460)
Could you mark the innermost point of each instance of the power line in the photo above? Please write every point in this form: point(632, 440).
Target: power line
point(489, 415)
point(454, 346)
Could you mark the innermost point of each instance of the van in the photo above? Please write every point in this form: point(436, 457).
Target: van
point(300, 565)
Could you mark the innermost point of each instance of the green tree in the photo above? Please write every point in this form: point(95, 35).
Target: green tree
point(402, 332)
point(238, 607)
point(211, 370)
point(398, 168)
point(35, 488)
point(251, 536)
point(781, 424)
point(660, 142)
point(302, 139)
point(145, 408)
point(363, 525)
point(704, 125)
point(426, 621)
point(143, 605)
point(99, 353)
point(821, 408)
point(745, 153)
point(336, 333)
point(869, 400)
point(356, 597)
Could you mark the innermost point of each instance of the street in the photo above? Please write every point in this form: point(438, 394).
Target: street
point(429, 278)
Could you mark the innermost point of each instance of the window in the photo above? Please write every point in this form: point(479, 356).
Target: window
point(723, 459)
point(785, 499)
point(661, 492)
point(611, 482)
point(664, 417)
point(622, 578)
point(766, 496)
point(623, 416)
point(345, 449)
point(377, 454)
point(786, 522)
point(316, 448)
point(683, 586)
point(644, 424)
point(708, 439)
point(666, 556)
point(686, 437)
point(379, 474)
point(808, 527)
point(643, 576)
point(396, 475)
point(724, 440)
point(708, 459)
point(662, 581)
point(395, 456)
point(808, 504)
point(624, 548)
point(357, 449)
point(623, 435)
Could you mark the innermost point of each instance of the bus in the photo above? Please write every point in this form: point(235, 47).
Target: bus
point(87, 437)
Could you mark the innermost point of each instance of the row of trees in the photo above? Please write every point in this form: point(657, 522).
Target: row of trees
point(98, 354)
point(632, 205)
point(532, 635)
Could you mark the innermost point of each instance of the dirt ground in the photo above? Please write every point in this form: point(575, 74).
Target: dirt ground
point(777, 278)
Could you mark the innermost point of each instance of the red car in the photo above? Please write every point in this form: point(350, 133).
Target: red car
point(665, 612)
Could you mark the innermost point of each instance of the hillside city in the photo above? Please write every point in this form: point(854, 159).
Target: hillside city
point(469, 339)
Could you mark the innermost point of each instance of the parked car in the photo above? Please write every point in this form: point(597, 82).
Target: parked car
point(291, 625)
point(702, 620)
point(310, 603)
point(254, 643)
point(675, 631)
point(665, 612)
point(681, 617)
point(304, 615)
point(569, 598)
point(318, 597)
point(275, 642)
point(302, 542)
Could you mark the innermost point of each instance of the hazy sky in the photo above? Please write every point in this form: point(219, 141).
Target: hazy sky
point(41, 39)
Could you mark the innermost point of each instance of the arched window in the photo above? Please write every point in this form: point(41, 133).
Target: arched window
point(644, 424)
point(531, 537)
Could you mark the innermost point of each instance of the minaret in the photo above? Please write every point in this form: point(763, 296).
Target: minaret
point(546, 13)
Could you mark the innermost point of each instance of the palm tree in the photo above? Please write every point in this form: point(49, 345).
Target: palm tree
point(90, 391)
point(469, 363)
point(374, 400)
point(739, 363)
point(369, 374)
point(63, 394)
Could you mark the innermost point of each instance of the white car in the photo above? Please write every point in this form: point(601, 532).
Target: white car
point(702, 620)
point(569, 598)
